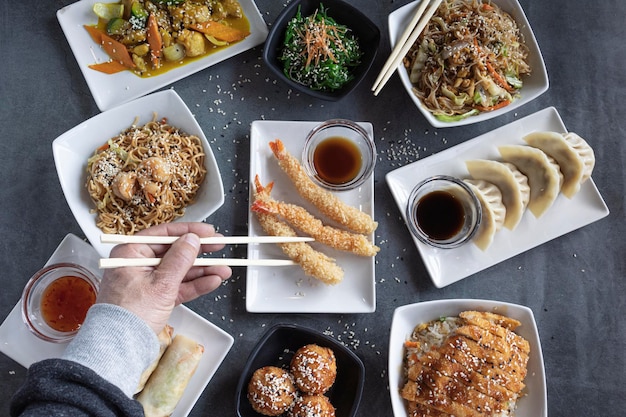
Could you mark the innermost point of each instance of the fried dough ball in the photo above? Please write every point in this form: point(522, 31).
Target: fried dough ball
point(271, 391)
point(314, 369)
point(312, 406)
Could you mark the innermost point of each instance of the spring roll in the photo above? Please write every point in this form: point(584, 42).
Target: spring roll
point(167, 383)
point(165, 339)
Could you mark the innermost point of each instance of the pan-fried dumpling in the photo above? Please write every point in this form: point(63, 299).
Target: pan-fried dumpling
point(544, 176)
point(493, 211)
point(571, 152)
point(510, 181)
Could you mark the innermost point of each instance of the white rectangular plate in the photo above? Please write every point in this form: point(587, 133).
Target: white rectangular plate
point(18, 343)
point(447, 266)
point(72, 149)
point(109, 90)
point(288, 289)
point(535, 84)
point(405, 318)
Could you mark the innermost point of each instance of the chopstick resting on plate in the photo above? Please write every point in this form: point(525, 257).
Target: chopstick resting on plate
point(406, 40)
point(226, 240)
point(108, 263)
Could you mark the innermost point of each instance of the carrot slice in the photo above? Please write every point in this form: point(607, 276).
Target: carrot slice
point(220, 31)
point(154, 40)
point(498, 78)
point(116, 50)
point(110, 67)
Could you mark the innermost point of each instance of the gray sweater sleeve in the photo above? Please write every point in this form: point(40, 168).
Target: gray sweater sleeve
point(116, 344)
point(97, 373)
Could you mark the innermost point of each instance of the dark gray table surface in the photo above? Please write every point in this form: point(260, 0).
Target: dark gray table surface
point(574, 284)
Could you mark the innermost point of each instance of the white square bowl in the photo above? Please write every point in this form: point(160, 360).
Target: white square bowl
point(72, 149)
point(533, 402)
point(109, 90)
point(534, 85)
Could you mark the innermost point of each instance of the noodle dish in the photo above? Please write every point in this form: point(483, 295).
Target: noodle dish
point(475, 59)
point(142, 163)
point(146, 175)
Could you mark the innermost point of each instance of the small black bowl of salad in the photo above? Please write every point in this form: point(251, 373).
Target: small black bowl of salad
point(322, 48)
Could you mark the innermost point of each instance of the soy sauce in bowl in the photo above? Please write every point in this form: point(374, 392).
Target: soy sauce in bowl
point(440, 215)
point(337, 160)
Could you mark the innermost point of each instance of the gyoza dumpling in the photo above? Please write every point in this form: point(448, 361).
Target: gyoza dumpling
point(493, 211)
point(571, 152)
point(544, 175)
point(585, 152)
point(510, 181)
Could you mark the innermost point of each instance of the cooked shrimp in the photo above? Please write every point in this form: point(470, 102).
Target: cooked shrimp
point(303, 220)
point(313, 263)
point(124, 185)
point(344, 214)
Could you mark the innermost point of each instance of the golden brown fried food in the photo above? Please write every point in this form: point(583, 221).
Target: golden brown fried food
point(350, 217)
point(314, 369)
point(312, 406)
point(301, 219)
point(313, 262)
point(470, 365)
point(271, 391)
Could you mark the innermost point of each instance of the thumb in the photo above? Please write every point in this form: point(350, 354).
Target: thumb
point(180, 257)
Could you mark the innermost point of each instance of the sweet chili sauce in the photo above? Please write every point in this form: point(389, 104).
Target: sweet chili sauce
point(64, 303)
point(337, 160)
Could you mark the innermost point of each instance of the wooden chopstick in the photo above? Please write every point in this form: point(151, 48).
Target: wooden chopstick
point(108, 263)
point(226, 240)
point(407, 39)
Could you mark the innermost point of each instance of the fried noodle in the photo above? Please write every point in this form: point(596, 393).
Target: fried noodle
point(470, 58)
point(145, 176)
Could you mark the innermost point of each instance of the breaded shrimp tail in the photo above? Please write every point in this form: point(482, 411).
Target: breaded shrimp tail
point(344, 214)
point(313, 263)
point(301, 219)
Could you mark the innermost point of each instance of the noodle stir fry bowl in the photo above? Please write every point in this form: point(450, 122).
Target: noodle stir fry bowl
point(72, 150)
point(534, 84)
point(366, 32)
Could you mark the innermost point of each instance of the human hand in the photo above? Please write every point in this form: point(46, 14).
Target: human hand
point(152, 292)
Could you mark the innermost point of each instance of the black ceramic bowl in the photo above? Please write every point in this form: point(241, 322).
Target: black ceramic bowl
point(278, 346)
point(362, 27)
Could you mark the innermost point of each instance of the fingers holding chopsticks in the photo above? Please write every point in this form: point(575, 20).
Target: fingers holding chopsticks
point(151, 292)
point(160, 237)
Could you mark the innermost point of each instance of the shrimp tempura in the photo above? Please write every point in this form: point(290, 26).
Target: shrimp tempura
point(344, 214)
point(304, 221)
point(313, 263)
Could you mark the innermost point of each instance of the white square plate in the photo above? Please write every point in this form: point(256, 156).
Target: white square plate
point(447, 266)
point(109, 90)
point(534, 85)
point(405, 318)
point(18, 343)
point(288, 289)
point(72, 149)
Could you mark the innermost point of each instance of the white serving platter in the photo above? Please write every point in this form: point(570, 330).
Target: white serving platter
point(73, 148)
point(535, 401)
point(534, 85)
point(288, 289)
point(18, 343)
point(446, 266)
point(110, 90)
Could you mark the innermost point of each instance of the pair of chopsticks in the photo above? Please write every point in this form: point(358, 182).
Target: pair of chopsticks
point(107, 263)
point(407, 39)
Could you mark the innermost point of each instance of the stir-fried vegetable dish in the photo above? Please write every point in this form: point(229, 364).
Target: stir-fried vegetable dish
point(152, 36)
point(469, 59)
point(318, 52)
